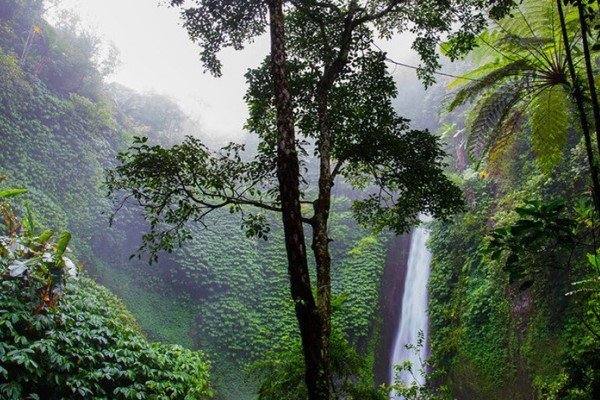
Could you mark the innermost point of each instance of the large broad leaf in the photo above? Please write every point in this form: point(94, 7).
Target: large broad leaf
point(29, 221)
point(61, 246)
point(549, 120)
point(6, 193)
point(44, 237)
point(17, 268)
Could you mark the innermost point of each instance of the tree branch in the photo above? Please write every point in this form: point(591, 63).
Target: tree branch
point(374, 16)
point(337, 168)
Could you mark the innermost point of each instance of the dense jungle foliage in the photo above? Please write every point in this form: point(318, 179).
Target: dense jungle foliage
point(514, 284)
point(65, 336)
point(514, 292)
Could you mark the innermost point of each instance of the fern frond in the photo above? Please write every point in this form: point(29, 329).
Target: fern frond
point(533, 31)
point(476, 73)
point(532, 18)
point(549, 121)
point(496, 76)
point(488, 47)
point(525, 43)
point(491, 111)
point(504, 145)
point(508, 129)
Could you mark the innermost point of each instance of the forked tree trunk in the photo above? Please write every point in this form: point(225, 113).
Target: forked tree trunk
point(288, 174)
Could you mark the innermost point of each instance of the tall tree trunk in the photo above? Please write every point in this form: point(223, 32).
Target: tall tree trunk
point(322, 205)
point(589, 71)
point(577, 93)
point(320, 245)
point(288, 172)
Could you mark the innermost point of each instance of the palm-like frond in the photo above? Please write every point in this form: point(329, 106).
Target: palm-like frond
point(501, 147)
point(549, 121)
point(533, 18)
point(476, 74)
point(476, 88)
point(490, 112)
point(532, 32)
point(523, 74)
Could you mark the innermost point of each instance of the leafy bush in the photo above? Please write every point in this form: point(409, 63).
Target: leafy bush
point(64, 336)
point(540, 226)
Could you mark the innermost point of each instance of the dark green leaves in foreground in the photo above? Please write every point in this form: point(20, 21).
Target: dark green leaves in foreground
point(88, 347)
point(65, 337)
point(540, 226)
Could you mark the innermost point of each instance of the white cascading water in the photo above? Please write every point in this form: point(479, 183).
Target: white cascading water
point(413, 318)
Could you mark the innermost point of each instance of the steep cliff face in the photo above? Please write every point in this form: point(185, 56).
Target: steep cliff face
point(496, 339)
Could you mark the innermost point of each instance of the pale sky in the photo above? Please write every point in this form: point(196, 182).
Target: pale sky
point(157, 56)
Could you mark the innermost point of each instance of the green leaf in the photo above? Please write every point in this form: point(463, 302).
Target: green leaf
point(594, 260)
point(29, 221)
point(549, 126)
point(62, 244)
point(6, 193)
point(44, 237)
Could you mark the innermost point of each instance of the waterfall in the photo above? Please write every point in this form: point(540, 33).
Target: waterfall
point(413, 317)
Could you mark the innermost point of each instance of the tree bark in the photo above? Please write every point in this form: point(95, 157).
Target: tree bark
point(579, 100)
point(288, 174)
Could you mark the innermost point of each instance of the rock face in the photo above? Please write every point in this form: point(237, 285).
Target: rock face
point(390, 304)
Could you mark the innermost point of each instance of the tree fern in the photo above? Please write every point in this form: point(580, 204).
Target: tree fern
point(523, 78)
